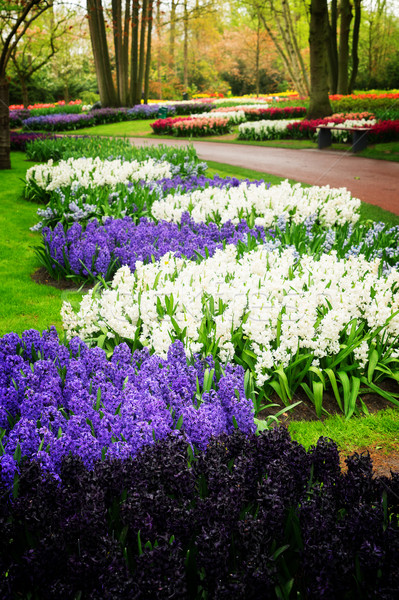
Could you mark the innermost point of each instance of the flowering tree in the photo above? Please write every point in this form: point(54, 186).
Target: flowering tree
point(15, 18)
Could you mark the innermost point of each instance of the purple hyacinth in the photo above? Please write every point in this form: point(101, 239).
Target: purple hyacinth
point(101, 249)
point(57, 400)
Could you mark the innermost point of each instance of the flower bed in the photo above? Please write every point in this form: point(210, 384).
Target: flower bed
point(19, 141)
point(59, 400)
point(264, 307)
point(92, 173)
point(264, 130)
point(248, 518)
point(262, 204)
point(189, 126)
point(379, 132)
point(264, 113)
point(57, 122)
point(102, 249)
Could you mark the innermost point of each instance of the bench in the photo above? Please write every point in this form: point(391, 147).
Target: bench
point(359, 136)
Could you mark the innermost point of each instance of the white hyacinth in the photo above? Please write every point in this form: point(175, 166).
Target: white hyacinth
point(330, 205)
point(94, 172)
point(264, 130)
point(280, 304)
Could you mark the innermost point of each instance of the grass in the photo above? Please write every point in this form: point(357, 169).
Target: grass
point(25, 304)
point(379, 430)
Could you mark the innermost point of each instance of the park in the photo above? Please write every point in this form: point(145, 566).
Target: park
point(199, 316)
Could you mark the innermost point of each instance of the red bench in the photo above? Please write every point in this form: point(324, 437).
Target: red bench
point(359, 136)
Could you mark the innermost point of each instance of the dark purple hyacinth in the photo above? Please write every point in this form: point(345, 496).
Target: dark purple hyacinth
point(57, 400)
point(18, 141)
point(122, 242)
point(249, 516)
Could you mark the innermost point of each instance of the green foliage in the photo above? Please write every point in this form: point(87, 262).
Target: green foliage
point(62, 148)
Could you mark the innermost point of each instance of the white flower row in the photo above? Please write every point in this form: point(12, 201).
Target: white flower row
point(330, 205)
point(94, 172)
point(236, 116)
point(280, 305)
point(265, 130)
point(351, 123)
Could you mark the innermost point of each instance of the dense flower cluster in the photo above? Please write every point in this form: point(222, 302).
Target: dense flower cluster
point(18, 141)
point(57, 400)
point(234, 116)
point(264, 113)
point(197, 124)
point(250, 516)
point(94, 172)
point(282, 306)
point(261, 203)
point(102, 249)
point(165, 126)
point(264, 130)
point(57, 122)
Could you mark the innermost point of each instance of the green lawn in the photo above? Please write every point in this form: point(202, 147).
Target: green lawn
point(26, 304)
point(380, 430)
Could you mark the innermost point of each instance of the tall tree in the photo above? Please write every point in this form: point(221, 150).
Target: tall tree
point(319, 105)
point(16, 16)
point(131, 27)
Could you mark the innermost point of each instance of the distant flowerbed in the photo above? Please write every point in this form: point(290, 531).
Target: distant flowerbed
point(197, 126)
point(378, 131)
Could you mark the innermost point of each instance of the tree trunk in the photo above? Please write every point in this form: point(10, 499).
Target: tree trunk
point(134, 54)
point(343, 57)
point(185, 47)
point(4, 125)
point(117, 33)
point(102, 63)
point(257, 57)
point(319, 105)
point(125, 57)
point(333, 48)
point(148, 53)
point(159, 57)
point(144, 20)
point(355, 44)
point(172, 36)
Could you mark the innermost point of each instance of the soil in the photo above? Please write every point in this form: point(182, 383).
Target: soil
point(42, 277)
point(383, 463)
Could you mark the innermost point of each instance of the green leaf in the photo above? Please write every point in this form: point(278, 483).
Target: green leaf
point(318, 397)
point(373, 361)
point(331, 375)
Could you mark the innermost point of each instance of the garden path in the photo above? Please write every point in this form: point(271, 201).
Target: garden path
point(373, 181)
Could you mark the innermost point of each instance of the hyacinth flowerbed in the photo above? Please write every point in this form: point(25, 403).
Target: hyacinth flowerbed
point(151, 304)
point(252, 517)
point(128, 455)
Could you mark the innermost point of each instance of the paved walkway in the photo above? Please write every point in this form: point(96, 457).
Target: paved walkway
point(373, 181)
